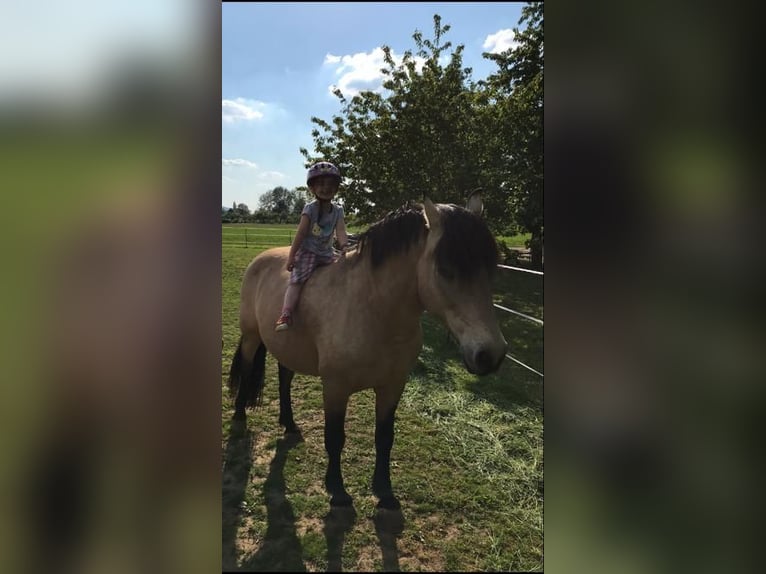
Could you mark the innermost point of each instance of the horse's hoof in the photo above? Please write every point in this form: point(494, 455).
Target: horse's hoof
point(292, 429)
point(341, 500)
point(389, 503)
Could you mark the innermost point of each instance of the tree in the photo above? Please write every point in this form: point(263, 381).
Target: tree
point(239, 213)
point(435, 132)
point(417, 140)
point(517, 89)
point(300, 203)
point(283, 203)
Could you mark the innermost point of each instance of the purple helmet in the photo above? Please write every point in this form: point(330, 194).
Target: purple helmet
point(322, 168)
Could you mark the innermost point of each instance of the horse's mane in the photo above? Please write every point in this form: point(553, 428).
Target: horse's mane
point(466, 245)
point(393, 234)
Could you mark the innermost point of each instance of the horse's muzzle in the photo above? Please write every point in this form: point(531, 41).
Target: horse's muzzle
point(484, 360)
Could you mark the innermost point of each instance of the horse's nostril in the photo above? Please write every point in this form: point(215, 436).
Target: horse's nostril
point(482, 360)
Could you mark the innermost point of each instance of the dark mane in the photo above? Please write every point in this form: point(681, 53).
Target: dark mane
point(466, 246)
point(393, 234)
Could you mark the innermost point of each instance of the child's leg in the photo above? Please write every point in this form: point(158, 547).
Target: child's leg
point(291, 297)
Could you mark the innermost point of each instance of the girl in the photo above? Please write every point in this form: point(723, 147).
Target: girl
point(312, 245)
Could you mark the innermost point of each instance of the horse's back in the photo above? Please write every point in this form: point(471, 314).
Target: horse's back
point(270, 260)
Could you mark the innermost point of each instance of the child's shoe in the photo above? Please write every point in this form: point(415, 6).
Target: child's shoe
point(283, 322)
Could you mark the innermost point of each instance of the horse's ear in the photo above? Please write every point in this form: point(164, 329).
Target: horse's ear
point(432, 214)
point(475, 204)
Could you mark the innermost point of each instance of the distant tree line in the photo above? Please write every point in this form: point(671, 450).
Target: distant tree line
point(278, 205)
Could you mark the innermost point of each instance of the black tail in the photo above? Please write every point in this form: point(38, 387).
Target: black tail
point(247, 384)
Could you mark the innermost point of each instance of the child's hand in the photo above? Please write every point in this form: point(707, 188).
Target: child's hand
point(289, 265)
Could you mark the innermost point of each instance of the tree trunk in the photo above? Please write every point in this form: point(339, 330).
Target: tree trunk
point(536, 250)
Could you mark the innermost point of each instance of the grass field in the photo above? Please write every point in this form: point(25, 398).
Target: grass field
point(467, 462)
point(265, 235)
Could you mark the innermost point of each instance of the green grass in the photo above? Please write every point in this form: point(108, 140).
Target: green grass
point(261, 235)
point(518, 240)
point(467, 462)
point(257, 235)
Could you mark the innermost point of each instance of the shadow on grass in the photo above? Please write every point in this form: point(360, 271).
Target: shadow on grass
point(281, 549)
point(337, 523)
point(389, 525)
point(236, 470)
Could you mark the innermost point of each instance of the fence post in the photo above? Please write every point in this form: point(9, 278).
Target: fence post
point(245, 237)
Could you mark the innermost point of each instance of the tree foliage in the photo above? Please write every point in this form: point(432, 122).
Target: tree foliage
point(418, 140)
point(283, 202)
point(278, 205)
point(517, 90)
point(434, 132)
point(239, 213)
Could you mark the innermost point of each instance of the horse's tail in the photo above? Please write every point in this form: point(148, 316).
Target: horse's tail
point(248, 383)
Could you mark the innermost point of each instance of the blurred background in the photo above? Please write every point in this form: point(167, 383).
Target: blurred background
point(655, 262)
point(110, 191)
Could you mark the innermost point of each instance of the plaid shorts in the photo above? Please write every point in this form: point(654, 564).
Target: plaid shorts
point(305, 263)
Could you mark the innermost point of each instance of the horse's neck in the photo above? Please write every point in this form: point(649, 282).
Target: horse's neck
point(392, 288)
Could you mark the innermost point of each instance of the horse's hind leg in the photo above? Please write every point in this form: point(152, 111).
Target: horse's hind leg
point(335, 404)
point(285, 400)
point(386, 401)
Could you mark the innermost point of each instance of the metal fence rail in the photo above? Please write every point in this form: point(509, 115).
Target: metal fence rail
point(525, 366)
point(239, 237)
point(538, 321)
point(520, 269)
point(527, 317)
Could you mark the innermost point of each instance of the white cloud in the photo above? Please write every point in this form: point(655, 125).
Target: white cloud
point(241, 109)
point(238, 163)
point(227, 179)
point(361, 71)
point(271, 175)
point(500, 41)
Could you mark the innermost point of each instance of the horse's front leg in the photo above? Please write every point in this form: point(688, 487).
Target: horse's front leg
point(386, 401)
point(335, 403)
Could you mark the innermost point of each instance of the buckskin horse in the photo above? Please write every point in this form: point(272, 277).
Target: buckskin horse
point(357, 325)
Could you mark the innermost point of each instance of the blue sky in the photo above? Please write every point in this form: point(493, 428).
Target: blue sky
point(280, 60)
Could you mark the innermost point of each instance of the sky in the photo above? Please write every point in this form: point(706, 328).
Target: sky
point(281, 60)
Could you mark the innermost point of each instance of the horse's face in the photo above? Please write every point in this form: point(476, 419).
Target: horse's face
point(454, 283)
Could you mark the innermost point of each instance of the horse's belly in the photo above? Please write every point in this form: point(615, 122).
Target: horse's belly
point(369, 366)
point(295, 352)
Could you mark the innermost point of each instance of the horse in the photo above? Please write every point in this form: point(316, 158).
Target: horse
point(357, 325)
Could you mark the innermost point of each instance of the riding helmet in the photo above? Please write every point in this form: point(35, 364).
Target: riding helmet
point(322, 168)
